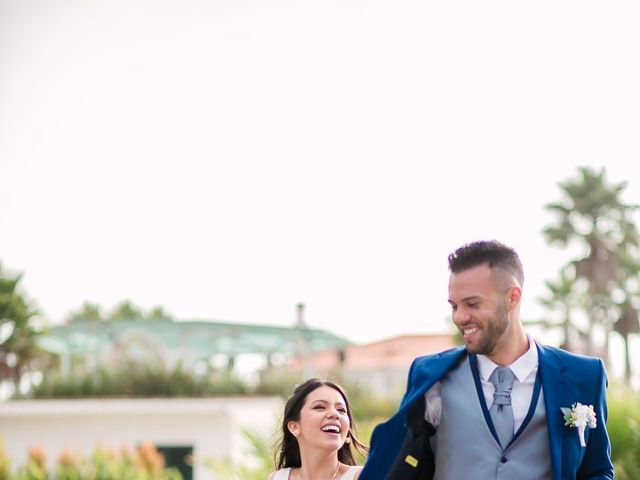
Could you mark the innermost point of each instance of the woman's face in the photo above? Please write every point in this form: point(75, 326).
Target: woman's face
point(324, 420)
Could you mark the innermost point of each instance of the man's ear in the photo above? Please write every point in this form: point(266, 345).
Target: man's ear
point(293, 428)
point(513, 297)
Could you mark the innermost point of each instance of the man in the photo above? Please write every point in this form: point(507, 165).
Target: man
point(464, 416)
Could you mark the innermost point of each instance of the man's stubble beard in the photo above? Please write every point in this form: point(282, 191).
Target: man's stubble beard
point(494, 331)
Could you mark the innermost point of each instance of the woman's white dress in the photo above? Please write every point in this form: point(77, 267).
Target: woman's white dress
point(349, 474)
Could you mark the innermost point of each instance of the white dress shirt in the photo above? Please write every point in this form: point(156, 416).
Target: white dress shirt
point(524, 368)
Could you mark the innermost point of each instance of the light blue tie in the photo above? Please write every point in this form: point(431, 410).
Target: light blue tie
point(501, 410)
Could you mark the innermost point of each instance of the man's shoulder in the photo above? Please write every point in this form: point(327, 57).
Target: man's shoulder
point(443, 355)
point(445, 358)
point(568, 358)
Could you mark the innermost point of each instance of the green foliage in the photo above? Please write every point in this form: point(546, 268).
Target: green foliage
point(18, 352)
point(623, 425)
point(366, 406)
point(125, 310)
point(144, 463)
point(31, 471)
point(158, 313)
point(5, 462)
point(258, 468)
point(278, 382)
point(35, 468)
point(89, 311)
point(106, 465)
point(136, 380)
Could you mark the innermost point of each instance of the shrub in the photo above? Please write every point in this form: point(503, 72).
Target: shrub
point(143, 463)
point(5, 463)
point(278, 382)
point(258, 468)
point(623, 425)
point(136, 380)
point(35, 468)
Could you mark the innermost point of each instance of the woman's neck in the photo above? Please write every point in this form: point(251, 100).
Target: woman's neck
point(319, 465)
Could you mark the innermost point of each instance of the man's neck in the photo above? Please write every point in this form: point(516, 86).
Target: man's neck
point(509, 350)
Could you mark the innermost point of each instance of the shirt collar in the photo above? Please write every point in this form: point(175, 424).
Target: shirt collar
point(521, 368)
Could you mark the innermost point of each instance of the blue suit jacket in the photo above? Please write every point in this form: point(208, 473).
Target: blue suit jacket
point(566, 378)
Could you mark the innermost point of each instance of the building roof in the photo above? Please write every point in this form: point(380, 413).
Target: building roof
point(388, 354)
point(195, 339)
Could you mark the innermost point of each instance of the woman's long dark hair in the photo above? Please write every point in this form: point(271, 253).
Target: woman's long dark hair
point(288, 451)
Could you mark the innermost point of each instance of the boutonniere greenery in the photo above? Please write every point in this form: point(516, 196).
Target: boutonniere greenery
point(580, 416)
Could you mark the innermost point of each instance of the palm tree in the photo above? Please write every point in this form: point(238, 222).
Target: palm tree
point(17, 333)
point(627, 323)
point(592, 213)
point(560, 297)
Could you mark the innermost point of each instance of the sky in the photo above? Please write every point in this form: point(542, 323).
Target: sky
point(232, 158)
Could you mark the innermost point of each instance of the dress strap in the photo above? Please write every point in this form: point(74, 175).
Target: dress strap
point(282, 474)
point(351, 473)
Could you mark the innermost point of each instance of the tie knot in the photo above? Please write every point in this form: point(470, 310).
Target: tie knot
point(502, 378)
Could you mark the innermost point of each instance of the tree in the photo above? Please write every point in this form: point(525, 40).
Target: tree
point(158, 313)
point(89, 311)
point(126, 310)
point(561, 298)
point(627, 323)
point(593, 215)
point(17, 332)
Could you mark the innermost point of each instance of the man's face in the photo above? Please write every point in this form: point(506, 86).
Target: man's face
point(479, 309)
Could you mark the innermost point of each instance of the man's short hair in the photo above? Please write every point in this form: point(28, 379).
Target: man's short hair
point(491, 252)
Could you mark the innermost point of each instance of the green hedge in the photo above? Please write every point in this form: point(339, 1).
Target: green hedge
point(136, 380)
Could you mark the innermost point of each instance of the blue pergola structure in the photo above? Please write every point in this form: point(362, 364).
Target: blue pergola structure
point(171, 341)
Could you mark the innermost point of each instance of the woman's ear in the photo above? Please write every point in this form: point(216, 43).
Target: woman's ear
point(293, 428)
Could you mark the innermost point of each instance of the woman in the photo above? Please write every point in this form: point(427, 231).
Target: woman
point(317, 435)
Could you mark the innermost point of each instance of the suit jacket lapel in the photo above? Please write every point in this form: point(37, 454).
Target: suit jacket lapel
point(473, 362)
point(556, 387)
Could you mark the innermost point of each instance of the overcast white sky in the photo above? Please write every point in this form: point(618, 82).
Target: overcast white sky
point(228, 159)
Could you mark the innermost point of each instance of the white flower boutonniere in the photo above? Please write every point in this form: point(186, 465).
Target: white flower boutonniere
point(580, 416)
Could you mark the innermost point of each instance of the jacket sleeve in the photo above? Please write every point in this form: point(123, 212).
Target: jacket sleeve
point(386, 440)
point(389, 437)
point(415, 459)
point(596, 462)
